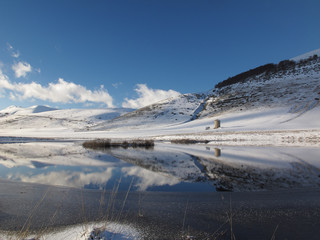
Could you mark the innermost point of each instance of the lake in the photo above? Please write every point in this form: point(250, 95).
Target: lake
point(162, 190)
point(166, 167)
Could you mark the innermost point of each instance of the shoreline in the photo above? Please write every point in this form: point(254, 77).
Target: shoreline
point(295, 137)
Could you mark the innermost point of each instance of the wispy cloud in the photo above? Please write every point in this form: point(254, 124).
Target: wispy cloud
point(116, 85)
point(59, 92)
point(147, 96)
point(14, 53)
point(21, 69)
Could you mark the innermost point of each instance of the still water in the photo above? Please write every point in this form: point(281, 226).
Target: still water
point(166, 167)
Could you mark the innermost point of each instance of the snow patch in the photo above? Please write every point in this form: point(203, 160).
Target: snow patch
point(39, 109)
point(306, 55)
point(87, 231)
point(23, 111)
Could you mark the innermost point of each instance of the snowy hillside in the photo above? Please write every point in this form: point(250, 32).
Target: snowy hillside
point(21, 111)
point(45, 117)
point(293, 85)
point(171, 111)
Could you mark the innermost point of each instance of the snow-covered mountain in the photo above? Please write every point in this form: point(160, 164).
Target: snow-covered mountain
point(273, 96)
point(171, 111)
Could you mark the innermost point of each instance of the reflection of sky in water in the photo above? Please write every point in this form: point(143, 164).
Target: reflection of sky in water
point(105, 174)
point(100, 178)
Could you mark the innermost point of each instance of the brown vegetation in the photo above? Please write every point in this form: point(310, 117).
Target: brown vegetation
point(107, 143)
point(267, 70)
point(188, 141)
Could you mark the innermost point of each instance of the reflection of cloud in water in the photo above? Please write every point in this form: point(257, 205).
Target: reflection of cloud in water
point(148, 178)
point(143, 178)
point(67, 178)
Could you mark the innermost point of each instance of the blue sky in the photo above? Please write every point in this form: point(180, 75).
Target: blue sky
point(98, 53)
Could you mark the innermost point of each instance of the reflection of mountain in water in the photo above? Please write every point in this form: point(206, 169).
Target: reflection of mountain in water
point(251, 170)
point(247, 178)
point(168, 163)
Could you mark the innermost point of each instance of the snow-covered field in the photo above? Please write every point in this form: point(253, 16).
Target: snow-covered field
point(262, 126)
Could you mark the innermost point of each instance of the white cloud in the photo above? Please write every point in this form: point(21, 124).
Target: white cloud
point(21, 69)
point(59, 92)
point(148, 96)
point(4, 82)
